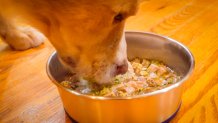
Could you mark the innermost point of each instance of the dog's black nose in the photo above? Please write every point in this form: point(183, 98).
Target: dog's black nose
point(121, 69)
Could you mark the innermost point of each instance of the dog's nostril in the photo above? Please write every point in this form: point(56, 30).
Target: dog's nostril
point(121, 69)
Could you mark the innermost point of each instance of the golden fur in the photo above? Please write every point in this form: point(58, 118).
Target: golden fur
point(87, 34)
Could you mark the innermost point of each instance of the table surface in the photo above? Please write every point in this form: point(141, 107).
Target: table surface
point(27, 94)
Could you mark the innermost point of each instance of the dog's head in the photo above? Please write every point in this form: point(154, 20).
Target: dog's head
point(89, 38)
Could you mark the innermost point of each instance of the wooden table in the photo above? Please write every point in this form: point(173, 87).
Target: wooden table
point(27, 95)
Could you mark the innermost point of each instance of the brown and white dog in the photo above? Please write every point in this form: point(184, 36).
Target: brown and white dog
point(87, 34)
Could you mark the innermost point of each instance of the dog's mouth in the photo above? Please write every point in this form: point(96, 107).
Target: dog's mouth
point(101, 72)
point(69, 61)
point(69, 64)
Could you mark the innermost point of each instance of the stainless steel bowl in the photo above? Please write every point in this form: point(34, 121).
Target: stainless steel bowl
point(155, 106)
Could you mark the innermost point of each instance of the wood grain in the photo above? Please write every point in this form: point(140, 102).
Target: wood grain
point(27, 95)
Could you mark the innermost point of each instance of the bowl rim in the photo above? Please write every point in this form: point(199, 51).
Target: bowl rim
point(166, 89)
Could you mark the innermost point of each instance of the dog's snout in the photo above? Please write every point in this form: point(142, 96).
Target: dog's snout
point(121, 69)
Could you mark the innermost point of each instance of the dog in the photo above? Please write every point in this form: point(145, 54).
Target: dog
point(87, 34)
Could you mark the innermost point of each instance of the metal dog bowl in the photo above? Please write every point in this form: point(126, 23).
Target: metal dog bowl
point(155, 106)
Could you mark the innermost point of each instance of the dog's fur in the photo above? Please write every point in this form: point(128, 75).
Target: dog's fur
point(87, 34)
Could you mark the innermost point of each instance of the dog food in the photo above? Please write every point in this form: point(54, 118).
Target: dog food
point(143, 76)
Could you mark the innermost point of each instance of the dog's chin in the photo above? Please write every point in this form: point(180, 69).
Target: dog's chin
point(105, 79)
point(102, 76)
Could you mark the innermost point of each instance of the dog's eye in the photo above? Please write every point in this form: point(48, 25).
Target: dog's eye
point(118, 18)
